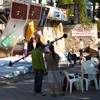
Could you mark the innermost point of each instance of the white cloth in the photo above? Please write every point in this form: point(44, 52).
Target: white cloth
point(70, 50)
point(25, 45)
point(81, 45)
point(99, 53)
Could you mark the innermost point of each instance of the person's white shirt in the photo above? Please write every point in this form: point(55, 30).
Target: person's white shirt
point(25, 45)
point(81, 45)
point(99, 52)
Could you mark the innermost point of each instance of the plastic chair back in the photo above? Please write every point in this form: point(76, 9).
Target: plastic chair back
point(88, 67)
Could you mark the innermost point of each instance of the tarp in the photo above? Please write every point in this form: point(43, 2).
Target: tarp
point(30, 30)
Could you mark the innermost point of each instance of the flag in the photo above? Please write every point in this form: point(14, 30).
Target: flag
point(42, 18)
point(16, 41)
point(7, 39)
point(30, 30)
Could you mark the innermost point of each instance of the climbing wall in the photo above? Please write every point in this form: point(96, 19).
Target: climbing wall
point(15, 25)
point(24, 20)
point(15, 28)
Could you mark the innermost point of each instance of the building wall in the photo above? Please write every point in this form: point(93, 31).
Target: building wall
point(89, 8)
point(51, 32)
point(55, 32)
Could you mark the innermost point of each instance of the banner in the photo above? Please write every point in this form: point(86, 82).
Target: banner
point(30, 30)
point(7, 39)
point(16, 41)
point(43, 18)
point(84, 30)
point(55, 12)
point(84, 33)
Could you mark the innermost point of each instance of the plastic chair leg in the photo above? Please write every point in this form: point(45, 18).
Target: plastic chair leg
point(81, 83)
point(99, 82)
point(67, 85)
point(86, 84)
point(70, 87)
point(77, 85)
point(96, 84)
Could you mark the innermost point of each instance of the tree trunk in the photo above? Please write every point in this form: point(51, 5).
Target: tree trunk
point(93, 20)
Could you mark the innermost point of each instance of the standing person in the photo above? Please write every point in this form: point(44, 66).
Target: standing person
point(52, 60)
point(30, 46)
point(47, 46)
point(99, 53)
point(25, 47)
point(38, 67)
point(81, 47)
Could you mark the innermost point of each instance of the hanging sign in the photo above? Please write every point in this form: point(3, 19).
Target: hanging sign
point(84, 30)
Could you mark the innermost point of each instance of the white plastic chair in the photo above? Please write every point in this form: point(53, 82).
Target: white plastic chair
point(88, 68)
point(72, 78)
point(99, 82)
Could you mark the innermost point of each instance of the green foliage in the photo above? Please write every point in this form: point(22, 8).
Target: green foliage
point(82, 14)
point(85, 21)
point(64, 1)
point(83, 18)
point(70, 12)
point(78, 1)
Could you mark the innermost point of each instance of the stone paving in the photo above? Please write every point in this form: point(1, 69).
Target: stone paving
point(21, 88)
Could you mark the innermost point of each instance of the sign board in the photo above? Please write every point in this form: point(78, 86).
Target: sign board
point(84, 30)
point(57, 13)
point(44, 14)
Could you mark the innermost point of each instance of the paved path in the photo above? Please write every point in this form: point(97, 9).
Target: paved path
point(23, 90)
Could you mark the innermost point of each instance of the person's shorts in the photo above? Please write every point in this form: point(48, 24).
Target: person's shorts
point(54, 76)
